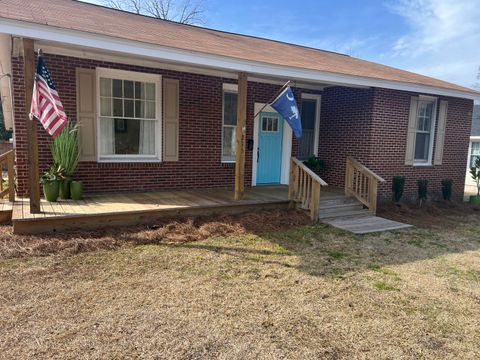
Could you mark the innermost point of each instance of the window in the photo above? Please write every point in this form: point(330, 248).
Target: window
point(475, 153)
point(426, 113)
point(306, 144)
point(129, 116)
point(270, 124)
point(229, 128)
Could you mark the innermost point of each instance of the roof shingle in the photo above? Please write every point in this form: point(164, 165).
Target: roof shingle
point(74, 15)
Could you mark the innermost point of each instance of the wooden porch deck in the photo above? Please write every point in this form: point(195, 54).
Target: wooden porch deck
point(101, 210)
point(136, 208)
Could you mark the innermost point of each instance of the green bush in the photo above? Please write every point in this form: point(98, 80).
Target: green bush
point(447, 189)
point(422, 190)
point(398, 185)
point(315, 164)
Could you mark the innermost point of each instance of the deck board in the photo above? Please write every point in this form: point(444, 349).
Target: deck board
point(129, 208)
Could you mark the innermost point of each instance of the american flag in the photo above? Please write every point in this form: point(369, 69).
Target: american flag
point(46, 105)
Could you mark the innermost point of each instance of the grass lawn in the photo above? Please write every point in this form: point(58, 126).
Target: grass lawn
point(306, 292)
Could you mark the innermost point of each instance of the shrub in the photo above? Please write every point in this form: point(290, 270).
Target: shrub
point(398, 184)
point(422, 190)
point(447, 189)
point(315, 164)
point(475, 172)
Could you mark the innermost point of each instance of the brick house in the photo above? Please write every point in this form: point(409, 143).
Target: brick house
point(157, 104)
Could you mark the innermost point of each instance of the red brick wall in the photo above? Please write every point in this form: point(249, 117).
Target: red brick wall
point(345, 123)
point(200, 132)
point(390, 121)
point(371, 125)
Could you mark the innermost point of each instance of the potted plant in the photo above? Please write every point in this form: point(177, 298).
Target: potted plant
point(51, 184)
point(475, 172)
point(76, 190)
point(66, 154)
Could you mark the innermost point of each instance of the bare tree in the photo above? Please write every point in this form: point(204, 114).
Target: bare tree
point(182, 11)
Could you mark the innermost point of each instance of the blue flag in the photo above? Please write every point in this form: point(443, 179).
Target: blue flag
point(286, 106)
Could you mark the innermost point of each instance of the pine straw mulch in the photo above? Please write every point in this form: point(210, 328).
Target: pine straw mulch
point(431, 215)
point(169, 230)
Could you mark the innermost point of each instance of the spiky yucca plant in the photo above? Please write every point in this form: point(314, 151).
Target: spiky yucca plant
point(65, 149)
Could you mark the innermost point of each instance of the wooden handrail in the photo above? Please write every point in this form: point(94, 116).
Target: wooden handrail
point(8, 159)
point(362, 183)
point(304, 188)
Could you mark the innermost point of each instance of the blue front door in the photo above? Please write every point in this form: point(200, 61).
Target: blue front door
point(269, 152)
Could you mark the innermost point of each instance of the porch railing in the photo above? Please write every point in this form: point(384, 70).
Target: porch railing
point(362, 183)
point(7, 186)
point(304, 188)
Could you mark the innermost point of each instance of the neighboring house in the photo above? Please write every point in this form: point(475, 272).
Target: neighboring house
point(473, 150)
point(157, 103)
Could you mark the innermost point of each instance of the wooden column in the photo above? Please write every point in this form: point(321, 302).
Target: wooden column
point(32, 142)
point(240, 141)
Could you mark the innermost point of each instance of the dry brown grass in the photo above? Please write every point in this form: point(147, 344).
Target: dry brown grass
point(166, 230)
point(310, 292)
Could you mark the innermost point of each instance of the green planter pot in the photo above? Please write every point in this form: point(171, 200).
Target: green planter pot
point(65, 188)
point(51, 190)
point(76, 190)
point(475, 200)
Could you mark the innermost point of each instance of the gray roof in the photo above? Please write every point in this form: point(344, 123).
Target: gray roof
point(476, 121)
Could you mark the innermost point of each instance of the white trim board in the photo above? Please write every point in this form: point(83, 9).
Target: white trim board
point(286, 146)
point(110, 43)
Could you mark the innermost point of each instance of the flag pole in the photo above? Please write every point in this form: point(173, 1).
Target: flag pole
point(273, 98)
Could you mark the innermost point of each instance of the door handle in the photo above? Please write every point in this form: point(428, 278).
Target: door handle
point(258, 154)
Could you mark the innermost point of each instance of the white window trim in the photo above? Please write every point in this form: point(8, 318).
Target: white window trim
point(318, 99)
point(229, 88)
point(429, 162)
point(132, 76)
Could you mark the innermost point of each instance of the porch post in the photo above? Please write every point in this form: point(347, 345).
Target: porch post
point(32, 142)
point(240, 134)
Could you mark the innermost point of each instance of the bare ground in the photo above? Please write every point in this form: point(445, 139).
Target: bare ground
point(263, 286)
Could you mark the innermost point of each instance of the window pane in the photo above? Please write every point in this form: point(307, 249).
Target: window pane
point(128, 110)
point(105, 106)
point(107, 137)
point(308, 114)
point(422, 144)
point(139, 90)
point(105, 87)
point(117, 88)
point(228, 151)
point(229, 108)
point(128, 89)
point(150, 109)
point(150, 91)
point(117, 107)
point(139, 109)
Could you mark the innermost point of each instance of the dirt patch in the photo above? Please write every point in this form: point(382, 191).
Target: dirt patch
point(432, 215)
point(166, 230)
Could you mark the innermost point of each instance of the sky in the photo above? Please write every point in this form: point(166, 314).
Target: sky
point(439, 38)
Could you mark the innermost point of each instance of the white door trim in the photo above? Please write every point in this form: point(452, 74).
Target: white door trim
point(286, 146)
point(318, 99)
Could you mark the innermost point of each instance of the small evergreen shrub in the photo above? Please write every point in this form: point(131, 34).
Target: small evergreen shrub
point(422, 190)
point(447, 189)
point(398, 185)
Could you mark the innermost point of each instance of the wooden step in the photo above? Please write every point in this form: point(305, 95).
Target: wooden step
point(365, 224)
point(6, 208)
point(342, 213)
